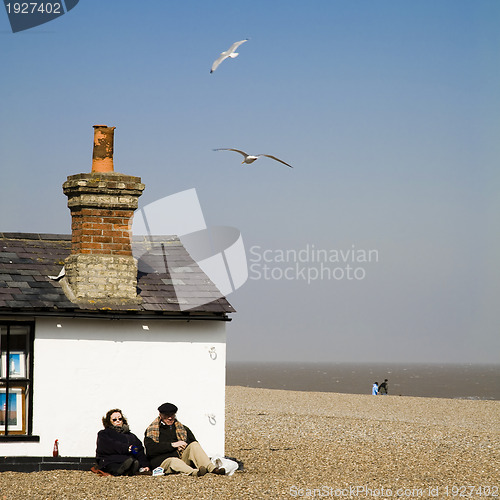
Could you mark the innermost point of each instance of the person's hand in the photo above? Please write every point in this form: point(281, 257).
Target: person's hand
point(180, 445)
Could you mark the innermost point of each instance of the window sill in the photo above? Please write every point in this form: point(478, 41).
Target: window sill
point(16, 438)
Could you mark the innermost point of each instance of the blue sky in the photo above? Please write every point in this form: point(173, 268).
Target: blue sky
point(389, 112)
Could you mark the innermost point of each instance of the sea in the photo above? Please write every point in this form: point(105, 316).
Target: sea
point(467, 381)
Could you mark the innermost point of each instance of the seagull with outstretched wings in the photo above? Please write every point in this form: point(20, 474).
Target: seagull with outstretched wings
point(227, 53)
point(251, 158)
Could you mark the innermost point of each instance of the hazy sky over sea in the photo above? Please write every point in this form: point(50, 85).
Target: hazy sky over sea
point(389, 112)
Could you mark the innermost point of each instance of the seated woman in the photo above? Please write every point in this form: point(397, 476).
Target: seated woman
point(119, 452)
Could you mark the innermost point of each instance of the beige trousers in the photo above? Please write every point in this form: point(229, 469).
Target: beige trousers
point(193, 455)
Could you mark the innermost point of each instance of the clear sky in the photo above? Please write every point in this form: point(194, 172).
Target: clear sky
point(389, 111)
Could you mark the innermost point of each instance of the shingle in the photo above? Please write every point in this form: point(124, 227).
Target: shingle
point(174, 281)
point(18, 284)
point(39, 284)
point(28, 236)
point(23, 277)
point(55, 237)
point(27, 272)
point(7, 256)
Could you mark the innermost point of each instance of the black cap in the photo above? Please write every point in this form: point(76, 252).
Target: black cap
point(167, 408)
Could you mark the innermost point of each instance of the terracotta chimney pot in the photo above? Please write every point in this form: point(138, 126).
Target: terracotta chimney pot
point(102, 157)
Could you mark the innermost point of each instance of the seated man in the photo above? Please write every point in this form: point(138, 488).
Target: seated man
point(172, 446)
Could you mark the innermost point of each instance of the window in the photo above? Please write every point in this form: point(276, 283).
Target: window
point(16, 379)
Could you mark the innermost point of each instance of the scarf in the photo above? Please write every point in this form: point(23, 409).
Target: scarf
point(123, 429)
point(153, 431)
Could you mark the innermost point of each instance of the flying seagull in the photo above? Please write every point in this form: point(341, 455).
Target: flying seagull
point(227, 53)
point(251, 158)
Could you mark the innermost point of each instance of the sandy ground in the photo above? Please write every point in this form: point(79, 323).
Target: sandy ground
point(319, 445)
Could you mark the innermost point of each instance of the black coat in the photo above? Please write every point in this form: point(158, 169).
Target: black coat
point(112, 447)
point(157, 452)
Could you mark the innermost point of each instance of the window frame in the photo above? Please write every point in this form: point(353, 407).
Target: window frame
point(26, 382)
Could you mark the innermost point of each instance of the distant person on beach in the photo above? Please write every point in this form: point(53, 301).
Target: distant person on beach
point(383, 388)
point(375, 389)
point(119, 452)
point(172, 446)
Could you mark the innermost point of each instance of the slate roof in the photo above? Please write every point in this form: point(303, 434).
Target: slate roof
point(169, 282)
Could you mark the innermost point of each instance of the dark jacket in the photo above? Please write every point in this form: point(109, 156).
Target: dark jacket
point(382, 388)
point(157, 452)
point(112, 447)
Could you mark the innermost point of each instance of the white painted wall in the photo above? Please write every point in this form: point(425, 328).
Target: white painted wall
point(83, 368)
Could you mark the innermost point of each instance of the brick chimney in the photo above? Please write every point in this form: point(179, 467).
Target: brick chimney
point(101, 269)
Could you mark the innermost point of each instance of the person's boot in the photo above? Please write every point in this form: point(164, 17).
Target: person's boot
point(125, 466)
point(219, 470)
point(134, 469)
point(200, 472)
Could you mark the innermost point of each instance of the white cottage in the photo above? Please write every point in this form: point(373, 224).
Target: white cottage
point(86, 327)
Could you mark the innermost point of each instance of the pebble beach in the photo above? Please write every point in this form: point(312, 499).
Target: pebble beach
point(318, 445)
